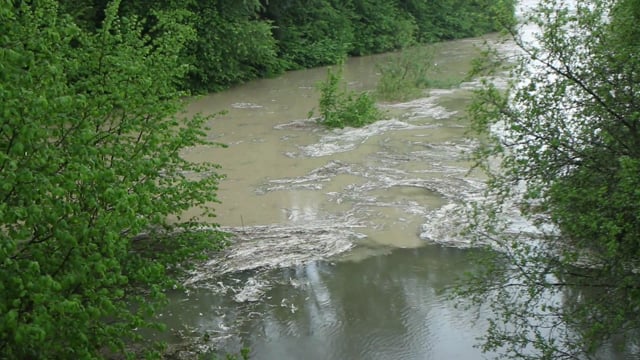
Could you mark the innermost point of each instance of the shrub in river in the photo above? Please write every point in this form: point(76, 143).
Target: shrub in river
point(406, 75)
point(340, 107)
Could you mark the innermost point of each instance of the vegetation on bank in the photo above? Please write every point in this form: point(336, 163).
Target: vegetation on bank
point(90, 158)
point(236, 41)
point(91, 137)
point(566, 134)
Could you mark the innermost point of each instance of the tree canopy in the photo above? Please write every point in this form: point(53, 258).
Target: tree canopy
point(236, 41)
point(90, 157)
point(566, 136)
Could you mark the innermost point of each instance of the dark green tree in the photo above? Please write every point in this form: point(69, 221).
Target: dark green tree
point(381, 25)
point(237, 41)
point(232, 45)
point(439, 20)
point(566, 135)
point(90, 157)
point(311, 33)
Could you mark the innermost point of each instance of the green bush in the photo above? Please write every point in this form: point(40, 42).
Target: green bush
point(91, 139)
point(406, 75)
point(311, 33)
point(381, 26)
point(231, 47)
point(340, 107)
point(238, 41)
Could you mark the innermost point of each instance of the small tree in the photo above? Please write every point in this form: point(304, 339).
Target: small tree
point(340, 107)
point(567, 139)
point(90, 156)
point(406, 75)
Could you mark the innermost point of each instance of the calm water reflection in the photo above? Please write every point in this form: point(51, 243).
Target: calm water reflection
point(391, 306)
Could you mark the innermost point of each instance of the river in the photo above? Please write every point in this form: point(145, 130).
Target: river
point(339, 233)
point(346, 242)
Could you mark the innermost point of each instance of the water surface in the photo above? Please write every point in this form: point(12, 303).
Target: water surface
point(336, 252)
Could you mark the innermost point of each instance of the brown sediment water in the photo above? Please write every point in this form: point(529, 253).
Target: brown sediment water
point(346, 242)
point(334, 255)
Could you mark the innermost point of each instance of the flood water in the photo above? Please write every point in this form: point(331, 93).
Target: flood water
point(345, 243)
point(391, 306)
point(345, 240)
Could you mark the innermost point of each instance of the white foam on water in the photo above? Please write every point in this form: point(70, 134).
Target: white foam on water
point(278, 245)
point(347, 139)
point(246, 105)
point(426, 107)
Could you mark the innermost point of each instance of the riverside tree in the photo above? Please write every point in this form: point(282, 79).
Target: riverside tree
point(236, 41)
point(90, 157)
point(566, 136)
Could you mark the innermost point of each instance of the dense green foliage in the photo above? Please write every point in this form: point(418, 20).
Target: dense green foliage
point(240, 40)
point(340, 107)
point(90, 157)
point(232, 45)
point(381, 26)
point(568, 141)
point(446, 20)
point(311, 33)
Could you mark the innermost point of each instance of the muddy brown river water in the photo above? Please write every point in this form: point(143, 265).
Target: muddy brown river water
point(346, 240)
point(336, 253)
